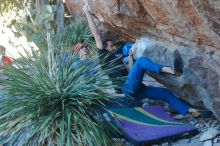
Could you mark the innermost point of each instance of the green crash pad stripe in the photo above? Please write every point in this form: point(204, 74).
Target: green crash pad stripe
point(152, 116)
point(139, 116)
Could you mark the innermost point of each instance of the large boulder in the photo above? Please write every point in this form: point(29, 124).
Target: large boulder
point(190, 26)
point(199, 84)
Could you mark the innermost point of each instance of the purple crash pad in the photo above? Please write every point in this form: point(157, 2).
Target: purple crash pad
point(137, 131)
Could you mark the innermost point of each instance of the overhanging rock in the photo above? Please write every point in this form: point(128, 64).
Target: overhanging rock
point(191, 26)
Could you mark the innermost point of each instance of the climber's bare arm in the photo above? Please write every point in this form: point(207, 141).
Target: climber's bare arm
point(93, 27)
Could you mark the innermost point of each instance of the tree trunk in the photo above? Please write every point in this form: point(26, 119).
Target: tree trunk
point(60, 16)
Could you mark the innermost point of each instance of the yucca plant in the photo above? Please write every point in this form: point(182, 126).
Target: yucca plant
point(39, 108)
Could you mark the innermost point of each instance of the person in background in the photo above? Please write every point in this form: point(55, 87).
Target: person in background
point(76, 50)
point(90, 65)
point(81, 50)
point(4, 59)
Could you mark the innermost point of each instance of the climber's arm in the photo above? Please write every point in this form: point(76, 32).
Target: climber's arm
point(92, 26)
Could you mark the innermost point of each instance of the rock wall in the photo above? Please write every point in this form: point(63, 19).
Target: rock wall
point(193, 23)
point(199, 84)
point(75, 8)
point(191, 26)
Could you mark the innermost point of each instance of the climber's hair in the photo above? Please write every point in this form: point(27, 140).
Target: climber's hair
point(105, 41)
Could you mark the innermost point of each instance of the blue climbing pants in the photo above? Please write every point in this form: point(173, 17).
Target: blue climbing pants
point(133, 86)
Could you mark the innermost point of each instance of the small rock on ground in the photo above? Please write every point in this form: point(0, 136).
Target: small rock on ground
point(208, 143)
point(210, 134)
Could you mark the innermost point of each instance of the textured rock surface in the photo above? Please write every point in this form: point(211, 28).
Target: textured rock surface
point(185, 22)
point(191, 26)
point(199, 83)
point(210, 134)
point(75, 8)
point(208, 143)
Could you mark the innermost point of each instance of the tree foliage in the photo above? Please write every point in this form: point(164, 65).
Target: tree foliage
point(6, 5)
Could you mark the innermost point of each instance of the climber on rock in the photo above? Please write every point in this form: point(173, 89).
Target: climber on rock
point(107, 53)
point(133, 86)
